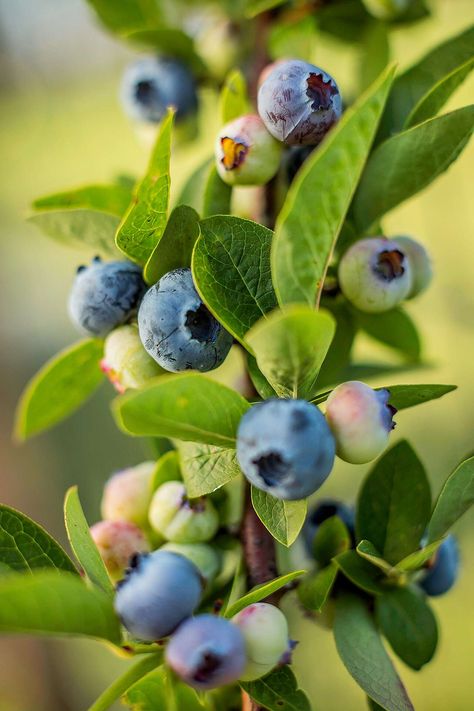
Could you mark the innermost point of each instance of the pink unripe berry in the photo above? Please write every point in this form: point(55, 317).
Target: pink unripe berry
point(265, 632)
point(127, 495)
point(246, 154)
point(361, 421)
point(117, 542)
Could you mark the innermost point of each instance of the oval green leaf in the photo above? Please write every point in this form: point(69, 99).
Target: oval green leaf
point(176, 246)
point(206, 468)
point(456, 497)
point(277, 691)
point(284, 519)
point(260, 592)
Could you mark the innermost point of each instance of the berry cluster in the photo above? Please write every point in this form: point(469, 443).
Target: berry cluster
point(159, 546)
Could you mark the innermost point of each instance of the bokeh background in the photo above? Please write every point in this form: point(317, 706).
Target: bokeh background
point(61, 126)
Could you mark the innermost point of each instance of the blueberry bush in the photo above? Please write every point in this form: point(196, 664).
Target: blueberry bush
point(185, 572)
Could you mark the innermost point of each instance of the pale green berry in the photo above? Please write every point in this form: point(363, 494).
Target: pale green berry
point(422, 269)
point(180, 519)
point(386, 9)
point(265, 632)
point(126, 363)
point(204, 557)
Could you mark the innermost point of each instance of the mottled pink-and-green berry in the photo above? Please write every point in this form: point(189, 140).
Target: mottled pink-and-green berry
point(375, 274)
point(265, 632)
point(180, 519)
point(422, 269)
point(127, 495)
point(207, 652)
point(117, 542)
point(246, 154)
point(299, 102)
point(360, 419)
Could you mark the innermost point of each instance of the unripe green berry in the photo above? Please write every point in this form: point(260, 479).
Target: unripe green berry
point(265, 632)
point(180, 519)
point(375, 274)
point(126, 363)
point(246, 153)
point(386, 9)
point(204, 557)
point(117, 542)
point(422, 270)
point(127, 495)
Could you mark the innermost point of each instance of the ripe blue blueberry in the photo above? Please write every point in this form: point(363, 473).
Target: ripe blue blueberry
point(127, 495)
point(360, 419)
point(246, 154)
point(444, 569)
point(207, 652)
point(420, 261)
point(176, 328)
point(285, 447)
point(299, 102)
point(327, 508)
point(204, 557)
point(159, 591)
point(117, 542)
point(105, 295)
point(180, 519)
point(386, 9)
point(265, 631)
point(375, 274)
point(152, 84)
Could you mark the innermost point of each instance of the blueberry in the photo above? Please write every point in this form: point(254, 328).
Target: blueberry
point(322, 511)
point(180, 519)
point(246, 154)
point(152, 84)
point(420, 261)
point(444, 569)
point(117, 542)
point(176, 328)
point(207, 652)
point(299, 103)
point(127, 495)
point(125, 362)
point(375, 274)
point(285, 447)
point(204, 557)
point(360, 419)
point(265, 632)
point(386, 9)
point(160, 590)
point(105, 295)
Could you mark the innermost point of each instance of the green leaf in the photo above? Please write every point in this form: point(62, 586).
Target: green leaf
point(261, 592)
point(331, 539)
point(456, 497)
point(416, 157)
point(86, 216)
point(290, 347)
point(56, 603)
point(206, 468)
point(255, 7)
point(26, 546)
point(154, 690)
point(315, 589)
point(291, 37)
point(121, 685)
point(405, 396)
point(416, 560)
point(233, 100)
point(121, 16)
point(408, 624)
point(373, 705)
point(260, 383)
point(375, 53)
point(339, 354)
point(362, 573)
point(82, 543)
point(416, 83)
point(217, 195)
point(430, 104)
point(168, 41)
point(368, 551)
point(168, 468)
point(394, 329)
point(318, 199)
point(145, 220)
point(231, 271)
point(277, 691)
point(364, 656)
point(193, 189)
point(175, 248)
point(189, 407)
point(394, 503)
point(283, 519)
point(59, 388)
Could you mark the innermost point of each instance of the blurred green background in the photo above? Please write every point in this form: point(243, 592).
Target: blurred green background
point(61, 126)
